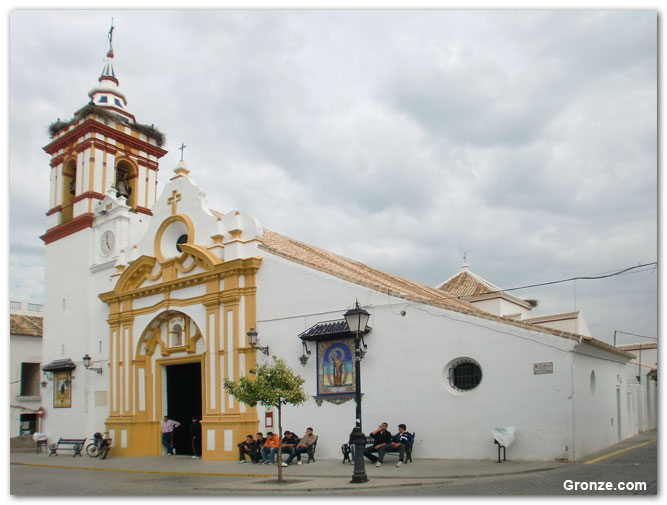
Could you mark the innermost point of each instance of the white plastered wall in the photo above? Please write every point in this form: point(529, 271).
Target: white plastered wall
point(404, 369)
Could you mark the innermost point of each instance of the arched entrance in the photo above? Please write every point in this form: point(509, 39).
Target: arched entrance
point(172, 337)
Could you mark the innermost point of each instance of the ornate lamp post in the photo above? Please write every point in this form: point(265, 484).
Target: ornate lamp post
point(356, 320)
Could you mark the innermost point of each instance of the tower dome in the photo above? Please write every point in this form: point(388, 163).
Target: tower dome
point(106, 94)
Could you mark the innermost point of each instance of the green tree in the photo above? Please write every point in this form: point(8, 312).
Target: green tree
point(274, 385)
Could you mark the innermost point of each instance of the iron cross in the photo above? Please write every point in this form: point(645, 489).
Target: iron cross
point(182, 148)
point(111, 35)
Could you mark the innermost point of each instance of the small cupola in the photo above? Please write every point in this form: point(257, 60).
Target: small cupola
point(106, 94)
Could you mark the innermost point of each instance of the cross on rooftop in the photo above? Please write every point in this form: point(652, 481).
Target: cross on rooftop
point(111, 36)
point(182, 148)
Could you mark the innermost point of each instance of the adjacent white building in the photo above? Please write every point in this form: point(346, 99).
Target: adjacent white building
point(642, 373)
point(159, 291)
point(25, 358)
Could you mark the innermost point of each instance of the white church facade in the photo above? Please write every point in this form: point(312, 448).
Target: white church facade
point(160, 292)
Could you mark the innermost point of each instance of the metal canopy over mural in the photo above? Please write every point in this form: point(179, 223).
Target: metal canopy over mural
point(335, 360)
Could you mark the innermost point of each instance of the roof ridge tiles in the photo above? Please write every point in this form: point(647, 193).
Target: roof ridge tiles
point(358, 272)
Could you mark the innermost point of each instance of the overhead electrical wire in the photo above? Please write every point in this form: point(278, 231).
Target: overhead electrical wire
point(587, 277)
point(583, 277)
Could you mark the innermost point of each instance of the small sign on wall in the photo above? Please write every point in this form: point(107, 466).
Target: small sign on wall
point(268, 419)
point(543, 368)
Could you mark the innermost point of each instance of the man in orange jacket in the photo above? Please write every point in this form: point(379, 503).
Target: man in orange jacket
point(270, 448)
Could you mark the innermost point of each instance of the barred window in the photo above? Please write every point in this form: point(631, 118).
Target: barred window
point(464, 374)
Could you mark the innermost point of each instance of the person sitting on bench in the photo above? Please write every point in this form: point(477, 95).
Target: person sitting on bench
point(270, 448)
point(304, 445)
point(400, 442)
point(288, 443)
point(381, 437)
point(249, 447)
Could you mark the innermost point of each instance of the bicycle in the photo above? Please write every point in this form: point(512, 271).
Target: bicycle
point(99, 447)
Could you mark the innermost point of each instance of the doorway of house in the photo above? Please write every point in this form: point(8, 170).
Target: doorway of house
point(184, 402)
point(618, 414)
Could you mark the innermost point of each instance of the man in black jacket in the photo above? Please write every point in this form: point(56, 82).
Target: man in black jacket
point(288, 443)
point(249, 447)
point(195, 437)
point(259, 443)
point(381, 437)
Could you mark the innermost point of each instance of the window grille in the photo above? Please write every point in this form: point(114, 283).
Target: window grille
point(466, 374)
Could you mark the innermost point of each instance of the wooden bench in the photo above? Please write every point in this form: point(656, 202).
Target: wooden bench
point(67, 444)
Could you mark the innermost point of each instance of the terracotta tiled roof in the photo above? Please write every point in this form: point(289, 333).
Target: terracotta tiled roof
point(25, 325)
point(470, 286)
point(358, 273)
point(467, 284)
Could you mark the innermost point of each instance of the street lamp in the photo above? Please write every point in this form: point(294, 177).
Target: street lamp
point(86, 364)
point(253, 341)
point(306, 353)
point(356, 319)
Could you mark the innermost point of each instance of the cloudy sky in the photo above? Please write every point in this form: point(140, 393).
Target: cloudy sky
point(526, 140)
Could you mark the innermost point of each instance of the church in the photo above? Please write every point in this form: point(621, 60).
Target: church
point(151, 298)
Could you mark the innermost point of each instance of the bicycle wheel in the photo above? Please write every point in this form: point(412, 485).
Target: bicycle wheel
point(92, 450)
point(105, 451)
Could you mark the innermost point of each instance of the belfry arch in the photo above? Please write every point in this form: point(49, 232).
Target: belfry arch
point(68, 191)
point(125, 182)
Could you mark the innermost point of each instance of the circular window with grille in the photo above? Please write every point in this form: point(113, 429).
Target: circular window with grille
point(181, 240)
point(462, 375)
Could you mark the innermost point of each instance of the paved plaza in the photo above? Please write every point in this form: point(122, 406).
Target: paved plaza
point(33, 474)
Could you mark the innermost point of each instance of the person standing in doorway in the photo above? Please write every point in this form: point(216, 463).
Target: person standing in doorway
point(168, 427)
point(195, 437)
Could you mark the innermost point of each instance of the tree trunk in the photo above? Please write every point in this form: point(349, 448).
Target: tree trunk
point(280, 446)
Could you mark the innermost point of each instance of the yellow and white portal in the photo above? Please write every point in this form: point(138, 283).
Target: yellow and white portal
point(168, 310)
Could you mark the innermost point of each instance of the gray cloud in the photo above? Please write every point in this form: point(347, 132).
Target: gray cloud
point(399, 138)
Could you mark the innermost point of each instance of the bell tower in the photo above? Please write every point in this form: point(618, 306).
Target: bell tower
point(101, 147)
point(104, 170)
